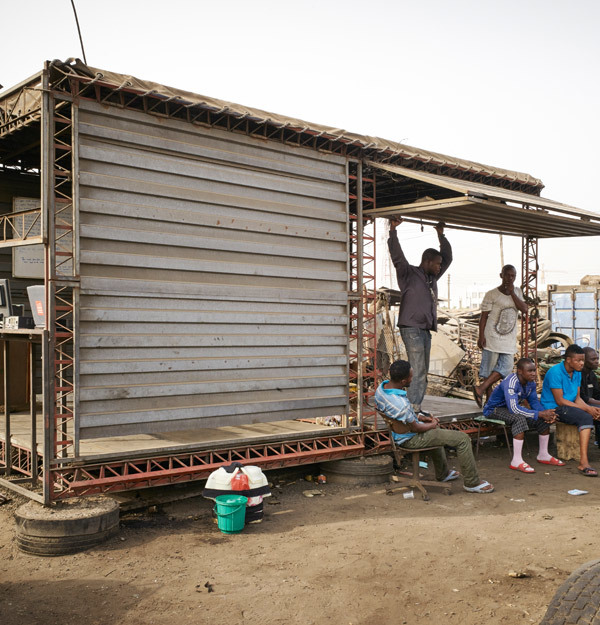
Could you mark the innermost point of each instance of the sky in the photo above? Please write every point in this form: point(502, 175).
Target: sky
point(506, 83)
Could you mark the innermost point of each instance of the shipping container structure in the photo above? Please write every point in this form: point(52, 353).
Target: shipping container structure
point(209, 275)
point(573, 310)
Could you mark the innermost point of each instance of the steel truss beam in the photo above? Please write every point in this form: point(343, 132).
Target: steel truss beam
point(177, 468)
point(529, 322)
point(363, 295)
point(21, 460)
point(124, 96)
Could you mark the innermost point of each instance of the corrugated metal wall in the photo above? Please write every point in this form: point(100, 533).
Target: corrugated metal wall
point(213, 277)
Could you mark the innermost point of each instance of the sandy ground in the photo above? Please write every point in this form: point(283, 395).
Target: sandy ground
point(353, 556)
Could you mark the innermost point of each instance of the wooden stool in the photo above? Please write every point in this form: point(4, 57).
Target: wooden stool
point(567, 441)
point(399, 452)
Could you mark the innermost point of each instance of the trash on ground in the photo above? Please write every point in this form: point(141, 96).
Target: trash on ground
point(548, 517)
point(312, 493)
point(518, 574)
point(576, 491)
point(517, 500)
point(423, 465)
point(409, 495)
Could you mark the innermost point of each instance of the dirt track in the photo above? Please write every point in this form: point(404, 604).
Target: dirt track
point(354, 556)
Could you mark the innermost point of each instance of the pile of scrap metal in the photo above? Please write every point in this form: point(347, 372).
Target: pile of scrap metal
point(455, 357)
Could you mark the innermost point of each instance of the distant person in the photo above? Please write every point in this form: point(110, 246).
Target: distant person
point(560, 392)
point(506, 404)
point(418, 311)
point(498, 332)
point(424, 431)
point(590, 387)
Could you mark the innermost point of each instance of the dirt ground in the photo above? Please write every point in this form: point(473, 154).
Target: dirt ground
point(353, 556)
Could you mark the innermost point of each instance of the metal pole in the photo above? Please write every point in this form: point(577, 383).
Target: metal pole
point(7, 434)
point(33, 413)
point(361, 294)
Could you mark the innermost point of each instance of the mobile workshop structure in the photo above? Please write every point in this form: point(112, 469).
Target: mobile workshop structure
point(209, 274)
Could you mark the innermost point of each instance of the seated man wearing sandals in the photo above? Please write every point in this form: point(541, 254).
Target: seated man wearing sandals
point(506, 404)
point(561, 391)
point(424, 431)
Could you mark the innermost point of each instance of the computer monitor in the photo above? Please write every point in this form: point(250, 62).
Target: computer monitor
point(5, 298)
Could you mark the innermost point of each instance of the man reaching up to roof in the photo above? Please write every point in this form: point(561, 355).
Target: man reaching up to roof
point(418, 310)
point(505, 404)
point(498, 332)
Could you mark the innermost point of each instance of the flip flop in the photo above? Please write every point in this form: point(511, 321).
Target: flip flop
point(588, 472)
point(480, 488)
point(555, 462)
point(452, 475)
point(523, 467)
point(477, 397)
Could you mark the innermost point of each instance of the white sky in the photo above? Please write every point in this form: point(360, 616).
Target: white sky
point(507, 83)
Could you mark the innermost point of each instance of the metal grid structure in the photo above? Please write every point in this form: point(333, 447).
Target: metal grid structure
point(61, 281)
point(529, 322)
point(363, 315)
point(66, 476)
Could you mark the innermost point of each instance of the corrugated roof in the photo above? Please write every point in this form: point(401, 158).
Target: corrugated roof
point(390, 148)
point(491, 209)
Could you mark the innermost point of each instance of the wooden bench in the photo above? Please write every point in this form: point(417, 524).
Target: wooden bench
point(415, 480)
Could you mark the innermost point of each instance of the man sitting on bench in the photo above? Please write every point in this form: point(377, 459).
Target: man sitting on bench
point(561, 392)
point(424, 431)
point(505, 404)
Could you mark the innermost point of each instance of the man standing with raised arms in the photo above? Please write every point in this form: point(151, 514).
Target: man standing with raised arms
point(418, 310)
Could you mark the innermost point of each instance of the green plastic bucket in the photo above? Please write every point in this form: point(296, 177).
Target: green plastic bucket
point(231, 513)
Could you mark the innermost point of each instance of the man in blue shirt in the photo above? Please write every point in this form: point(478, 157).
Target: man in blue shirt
point(505, 404)
point(424, 431)
point(561, 393)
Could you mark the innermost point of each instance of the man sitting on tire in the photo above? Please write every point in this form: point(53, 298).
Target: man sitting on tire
point(424, 431)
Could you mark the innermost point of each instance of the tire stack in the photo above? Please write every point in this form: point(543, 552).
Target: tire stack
point(362, 471)
point(68, 527)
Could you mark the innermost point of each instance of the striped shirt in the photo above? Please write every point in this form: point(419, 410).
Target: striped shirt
point(394, 403)
point(510, 393)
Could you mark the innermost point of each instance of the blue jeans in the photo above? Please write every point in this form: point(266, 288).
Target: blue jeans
point(418, 348)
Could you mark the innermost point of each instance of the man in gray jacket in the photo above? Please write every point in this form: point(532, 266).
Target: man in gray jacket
point(418, 310)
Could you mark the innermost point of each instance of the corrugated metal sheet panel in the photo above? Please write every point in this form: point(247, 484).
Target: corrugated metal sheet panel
point(213, 277)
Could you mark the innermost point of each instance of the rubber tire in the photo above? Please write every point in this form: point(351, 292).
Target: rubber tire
point(40, 534)
point(577, 600)
point(359, 471)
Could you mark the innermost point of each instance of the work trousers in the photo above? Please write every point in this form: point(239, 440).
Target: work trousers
point(418, 348)
point(447, 438)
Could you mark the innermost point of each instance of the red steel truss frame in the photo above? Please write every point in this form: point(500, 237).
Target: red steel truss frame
point(529, 323)
point(363, 294)
point(64, 474)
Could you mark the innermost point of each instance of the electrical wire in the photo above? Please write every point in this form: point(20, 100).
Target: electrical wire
point(79, 31)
